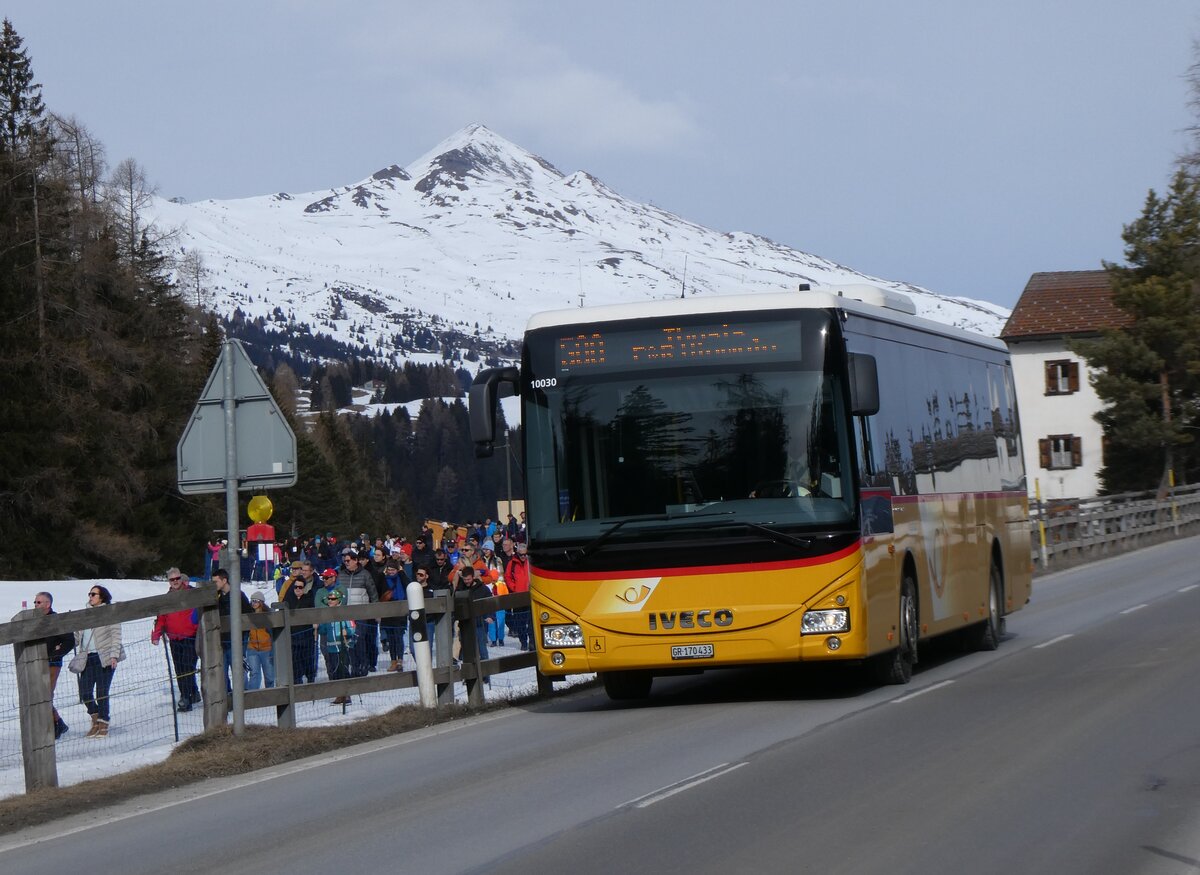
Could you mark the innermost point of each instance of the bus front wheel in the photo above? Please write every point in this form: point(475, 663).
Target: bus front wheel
point(623, 686)
point(896, 666)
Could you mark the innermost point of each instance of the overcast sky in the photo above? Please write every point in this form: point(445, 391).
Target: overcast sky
point(959, 146)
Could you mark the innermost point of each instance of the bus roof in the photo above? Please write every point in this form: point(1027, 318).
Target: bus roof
point(861, 300)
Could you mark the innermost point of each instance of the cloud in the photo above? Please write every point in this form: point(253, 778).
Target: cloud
point(582, 109)
point(491, 65)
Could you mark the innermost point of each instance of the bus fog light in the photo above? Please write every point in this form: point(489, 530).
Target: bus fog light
point(834, 642)
point(824, 622)
point(562, 636)
point(558, 657)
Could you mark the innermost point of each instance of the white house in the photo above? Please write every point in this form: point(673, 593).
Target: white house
point(1063, 443)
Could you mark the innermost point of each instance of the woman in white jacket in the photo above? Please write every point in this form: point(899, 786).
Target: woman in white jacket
point(102, 645)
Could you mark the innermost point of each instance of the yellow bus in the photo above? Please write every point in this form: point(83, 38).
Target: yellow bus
point(768, 478)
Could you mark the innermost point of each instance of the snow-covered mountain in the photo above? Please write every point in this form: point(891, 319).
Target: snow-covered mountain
point(472, 238)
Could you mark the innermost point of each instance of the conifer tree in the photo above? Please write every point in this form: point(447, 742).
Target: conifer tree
point(1149, 373)
point(21, 107)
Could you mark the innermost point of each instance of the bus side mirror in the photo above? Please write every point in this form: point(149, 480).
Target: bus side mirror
point(482, 406)
point(864, 385)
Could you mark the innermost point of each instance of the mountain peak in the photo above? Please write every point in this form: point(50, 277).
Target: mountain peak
point(478, 153)
point(457, 249)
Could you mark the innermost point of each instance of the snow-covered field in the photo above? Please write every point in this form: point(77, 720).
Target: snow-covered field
point(144, 720)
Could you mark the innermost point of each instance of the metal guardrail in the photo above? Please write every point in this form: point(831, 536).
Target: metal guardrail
point(1069, 531)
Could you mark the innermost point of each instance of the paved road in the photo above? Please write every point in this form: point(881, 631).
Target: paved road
point(1075, 748)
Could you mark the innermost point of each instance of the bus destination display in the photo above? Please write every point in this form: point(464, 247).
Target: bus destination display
point(725, 343)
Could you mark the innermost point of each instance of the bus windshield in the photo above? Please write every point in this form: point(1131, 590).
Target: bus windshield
point(682, 425)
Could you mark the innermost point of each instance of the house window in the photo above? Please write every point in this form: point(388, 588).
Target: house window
point(1062, 377)
point(1060, 451)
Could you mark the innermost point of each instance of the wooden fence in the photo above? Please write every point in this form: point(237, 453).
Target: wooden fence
point(1068, 532)
point(29, 629)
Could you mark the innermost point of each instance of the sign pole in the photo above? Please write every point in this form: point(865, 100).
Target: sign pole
point(210, 460)
point(237, 658)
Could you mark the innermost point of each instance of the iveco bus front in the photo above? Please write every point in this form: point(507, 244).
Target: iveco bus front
point(693, 489)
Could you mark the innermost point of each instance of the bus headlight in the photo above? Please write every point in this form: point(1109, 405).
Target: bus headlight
point(562, 636)
point(824, 622)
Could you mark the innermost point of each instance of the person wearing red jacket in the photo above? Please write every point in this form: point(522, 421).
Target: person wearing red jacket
point(179, 627)
point(516, 575)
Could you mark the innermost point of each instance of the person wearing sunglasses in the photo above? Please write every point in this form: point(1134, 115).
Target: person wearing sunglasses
point(57, 648)
point(358, 588)
point(102, 644)
point(338, 641)
point(299, 595)
point(179, 628)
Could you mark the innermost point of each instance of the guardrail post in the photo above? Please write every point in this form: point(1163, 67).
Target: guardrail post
point(418, 636)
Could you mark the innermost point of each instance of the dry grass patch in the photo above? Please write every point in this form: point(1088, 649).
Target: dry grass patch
point(218, 754)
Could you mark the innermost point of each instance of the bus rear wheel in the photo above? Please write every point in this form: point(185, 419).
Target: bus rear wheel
point(623, 686)
point(987, 635)
point(896, 666)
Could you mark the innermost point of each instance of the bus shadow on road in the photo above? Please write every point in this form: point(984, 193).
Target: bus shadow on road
point(812, 682)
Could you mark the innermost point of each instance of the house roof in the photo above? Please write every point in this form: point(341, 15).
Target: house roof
point(1057, 303)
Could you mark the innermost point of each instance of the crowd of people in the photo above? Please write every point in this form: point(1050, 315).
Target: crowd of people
point(482, 559)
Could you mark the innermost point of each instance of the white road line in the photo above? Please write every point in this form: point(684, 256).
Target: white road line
point(1134, 608)
point(1190, 588)
point(928, 689)
point(685, 784)
point(1052, 641)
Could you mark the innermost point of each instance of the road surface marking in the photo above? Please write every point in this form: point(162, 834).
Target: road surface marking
point(685, 784)
point(1190, 588)
point(1134, 608)
point(1052, 641)
point(929, 689)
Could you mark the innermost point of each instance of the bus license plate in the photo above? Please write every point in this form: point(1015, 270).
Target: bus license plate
point(692, 651)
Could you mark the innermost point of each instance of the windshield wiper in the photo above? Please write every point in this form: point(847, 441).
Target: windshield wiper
point(775, 535)
point(596, 543)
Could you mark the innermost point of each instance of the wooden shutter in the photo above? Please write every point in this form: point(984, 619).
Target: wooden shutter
point(1076, 451)
point(1073, 376)
point(1051, 377)
point(1044, 452)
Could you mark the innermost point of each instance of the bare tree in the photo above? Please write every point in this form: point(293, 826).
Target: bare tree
point(79, 159)
point(1190, 160)
point(129, 193)
point(191, 275)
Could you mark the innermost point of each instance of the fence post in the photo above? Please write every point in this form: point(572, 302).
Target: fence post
point(281, 647)
point(443, 635)
point(468, 636)
point(37, 721)
point(212, 669)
